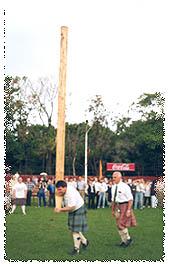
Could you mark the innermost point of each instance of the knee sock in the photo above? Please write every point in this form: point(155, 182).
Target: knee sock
point(77, 240)
point(13, 208)
point(124, 234)
point(23, 208)
point(83, 239)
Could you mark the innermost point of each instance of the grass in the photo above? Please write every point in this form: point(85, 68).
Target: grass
point(43, 235)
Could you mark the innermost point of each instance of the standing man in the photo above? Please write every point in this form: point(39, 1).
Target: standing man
point(30, 186)
point(19, 194)
point(77, 221)
point(91, 195)
point(81, 186)
point(122, 202)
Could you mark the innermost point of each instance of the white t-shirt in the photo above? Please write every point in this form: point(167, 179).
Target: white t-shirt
point(73, 198)
point(124, 193)
point(97, 186)
point(20, 189)
point(103, 187)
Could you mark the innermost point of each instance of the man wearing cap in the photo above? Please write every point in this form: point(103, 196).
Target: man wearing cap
point(77, 221)
point(122, 201)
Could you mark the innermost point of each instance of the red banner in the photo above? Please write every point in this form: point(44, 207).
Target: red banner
point(120, 166)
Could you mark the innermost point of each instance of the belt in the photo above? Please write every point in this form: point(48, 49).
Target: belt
point(123, 203)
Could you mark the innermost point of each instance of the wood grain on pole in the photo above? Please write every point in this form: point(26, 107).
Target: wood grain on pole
point(100, 170)
point(60, 138)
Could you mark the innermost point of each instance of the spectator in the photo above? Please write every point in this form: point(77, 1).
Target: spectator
point(19, 194)
point(109, 191)
point(139, 194)
point(12, 182)
point(81, 186)
point(160, 192)
point(30, 186)
point(51, 189)
point(154, 200)
point(71, 183)
point(74, 182)
point(132, 187)
point(147, 194)
point(41, 193)
point(7, 201)
point(35, 180)
point(97, 187)
point(91, 195)
point(102, 194)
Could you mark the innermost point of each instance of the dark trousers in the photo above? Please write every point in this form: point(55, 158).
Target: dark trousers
point(29, 195)
point(41, 195)
point(97, 199)
point(52, 199)
point(91, 197)
point(147, 201)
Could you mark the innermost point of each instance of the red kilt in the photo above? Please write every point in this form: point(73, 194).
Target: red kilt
point(123, 221)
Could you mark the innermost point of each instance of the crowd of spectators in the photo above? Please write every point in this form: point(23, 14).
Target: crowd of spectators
point(96, 193)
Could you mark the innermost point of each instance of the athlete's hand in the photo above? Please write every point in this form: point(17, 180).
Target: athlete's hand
point(57, 210)
point(128, 213)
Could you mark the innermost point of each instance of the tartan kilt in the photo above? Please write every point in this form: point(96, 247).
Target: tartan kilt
point(123, 221)
point(77, 220)
point(19, 201)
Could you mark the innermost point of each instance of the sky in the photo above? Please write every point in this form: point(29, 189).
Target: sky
point(118, 49)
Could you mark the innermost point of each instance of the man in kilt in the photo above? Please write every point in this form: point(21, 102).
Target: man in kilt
point(19, 194)
point(77, 220)
point(122, 201)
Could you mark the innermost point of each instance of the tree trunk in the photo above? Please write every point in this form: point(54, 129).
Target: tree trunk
point(74, 169)
point(95, 167)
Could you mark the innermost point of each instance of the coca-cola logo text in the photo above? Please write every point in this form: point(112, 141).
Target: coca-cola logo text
point(121, 166)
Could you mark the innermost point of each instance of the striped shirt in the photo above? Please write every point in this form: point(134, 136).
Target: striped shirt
point(30, 186)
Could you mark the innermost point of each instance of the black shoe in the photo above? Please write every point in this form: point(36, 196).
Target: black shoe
point(122, 244)
point(84, 246)
point(74, 252)
point(128, 242)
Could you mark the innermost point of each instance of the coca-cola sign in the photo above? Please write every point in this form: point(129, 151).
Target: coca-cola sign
point(120, 166)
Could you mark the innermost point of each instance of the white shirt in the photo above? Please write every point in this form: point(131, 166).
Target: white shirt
point(124, 193)
point(73, 198)
point(97, 186)
point(140, 187)
point(103, 187)
point(20, 189)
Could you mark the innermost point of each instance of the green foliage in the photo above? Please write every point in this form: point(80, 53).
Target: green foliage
point(30, 148)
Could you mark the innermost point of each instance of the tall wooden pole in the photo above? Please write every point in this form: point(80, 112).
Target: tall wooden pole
point(60, 138)
point(100, 170)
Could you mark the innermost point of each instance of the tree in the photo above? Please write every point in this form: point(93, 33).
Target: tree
point(41, 97)
point(101, 137)
point(16, 119)
point(141, 141)
point(150, 106)
point(74, 152)
point(19, 107)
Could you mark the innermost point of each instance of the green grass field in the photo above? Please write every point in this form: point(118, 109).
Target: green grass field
point(43, 235)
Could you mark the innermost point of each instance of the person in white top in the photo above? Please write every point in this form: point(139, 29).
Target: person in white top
point(122, 201)
point(19, 194)
point(77, 220)
point(102, 194)
point(96, 184)
point(71, 182)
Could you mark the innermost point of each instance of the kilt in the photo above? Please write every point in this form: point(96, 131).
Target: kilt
point(123, 221)
point(19, 201)
point(77, 220)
